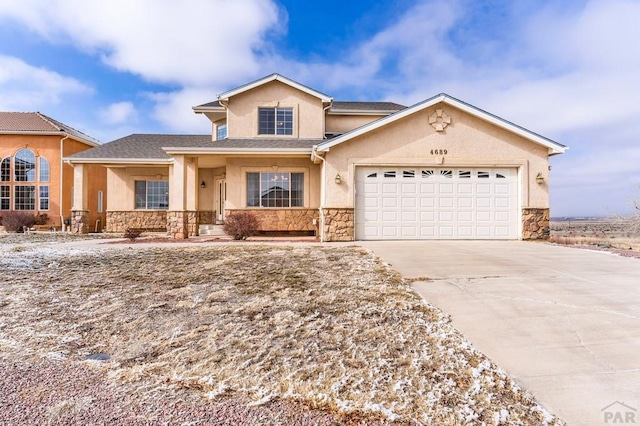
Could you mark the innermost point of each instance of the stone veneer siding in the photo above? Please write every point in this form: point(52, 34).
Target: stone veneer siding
point(144, 220)
point(79, 222)
point(284, 220)
point(339, 225)
point(207, 216)
point(535, 224)
point(182, 224)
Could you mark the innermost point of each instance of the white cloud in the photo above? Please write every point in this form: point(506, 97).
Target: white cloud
point(186, 43)
point(174, 109)
point(119, 112)
point(28, 88)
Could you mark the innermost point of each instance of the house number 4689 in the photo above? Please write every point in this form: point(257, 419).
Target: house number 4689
point(438, 152)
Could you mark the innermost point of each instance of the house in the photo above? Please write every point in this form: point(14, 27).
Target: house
point(33, 176)
point(440, 169)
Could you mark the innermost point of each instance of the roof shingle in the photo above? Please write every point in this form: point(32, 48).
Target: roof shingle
point(37, 122)
point(149, 146)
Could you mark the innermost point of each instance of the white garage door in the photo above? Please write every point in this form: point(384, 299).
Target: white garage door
point(436, 203)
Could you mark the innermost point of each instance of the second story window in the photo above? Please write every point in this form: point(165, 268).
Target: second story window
point(221, 132)
point(275, 121)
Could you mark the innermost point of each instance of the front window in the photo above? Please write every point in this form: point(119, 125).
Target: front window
point(5, 170)
point(25, 197)
point(275, 121)
point(281, 189)
point(221, 132)
point(24, 166)
point(44, 197)
point(152, 194)
point(100, 201)
point(45, 171)
point(5, 197)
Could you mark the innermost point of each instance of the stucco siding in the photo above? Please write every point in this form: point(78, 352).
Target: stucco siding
point(121, 188)
point(308, 114)
point(468, 141)
point(345, 123)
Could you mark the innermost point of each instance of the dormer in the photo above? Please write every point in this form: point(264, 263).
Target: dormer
point(272, 107)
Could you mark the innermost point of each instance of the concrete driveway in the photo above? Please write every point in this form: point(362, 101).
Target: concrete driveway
point(564, 322)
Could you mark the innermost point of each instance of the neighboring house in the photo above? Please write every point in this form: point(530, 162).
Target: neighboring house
point(302, 162)
point(33, 177)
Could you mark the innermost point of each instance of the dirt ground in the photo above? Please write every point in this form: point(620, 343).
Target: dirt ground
point(288, 334)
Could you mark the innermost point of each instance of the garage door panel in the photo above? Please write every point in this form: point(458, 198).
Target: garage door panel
point(483, 216)
point(427, 202)
point(436, 203)
point(483, 188)
point(483, 202)
point(408, 216)
point(445, 188)
point(409, 188)
point(465, 202)
point(445, 202)
point(371, 203)
point(371, 188)
point(389, 202)
point(445, 216)
point(390, 216)
point(409, 202)
point(428, 216)
point(465, 216)
point(502, 203)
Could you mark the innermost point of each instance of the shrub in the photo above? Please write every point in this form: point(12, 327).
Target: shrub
point(241, 225)
point(41, 219)
point(132, 234)
point(16, 221)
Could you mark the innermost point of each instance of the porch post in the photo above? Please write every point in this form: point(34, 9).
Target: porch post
point(80, 209)
point(183, 193)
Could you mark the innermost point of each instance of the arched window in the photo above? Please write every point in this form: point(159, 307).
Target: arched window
point(45, 171)
point(5, 170)
point(24, 166)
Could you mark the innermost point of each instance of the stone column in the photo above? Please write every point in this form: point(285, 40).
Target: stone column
point(338, 224)
point(182, 224)
point(79, 222)
point(535, 224)
point(80, 209)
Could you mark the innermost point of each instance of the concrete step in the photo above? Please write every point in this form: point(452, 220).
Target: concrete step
point(212, 230)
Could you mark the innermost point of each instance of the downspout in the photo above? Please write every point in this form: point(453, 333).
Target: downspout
point(61, 185)
point(323, 190)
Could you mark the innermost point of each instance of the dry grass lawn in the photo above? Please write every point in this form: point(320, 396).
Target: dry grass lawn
point(330, 326)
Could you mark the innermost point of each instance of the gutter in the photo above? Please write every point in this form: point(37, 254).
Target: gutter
point(237, 151)
point(61, 185)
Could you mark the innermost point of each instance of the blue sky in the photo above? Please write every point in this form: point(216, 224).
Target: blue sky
point(568, 70)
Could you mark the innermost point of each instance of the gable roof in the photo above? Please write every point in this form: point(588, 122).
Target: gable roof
point(552, 146)
point(274, 77)
point(38, 123)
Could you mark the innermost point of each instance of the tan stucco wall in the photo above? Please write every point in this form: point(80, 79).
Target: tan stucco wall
point(308, 114)
point(344, 123)
point(121, 189)
point(48, 146)
point(238, 167)
point(468, 140)
point(206, 195)
point(97, 181)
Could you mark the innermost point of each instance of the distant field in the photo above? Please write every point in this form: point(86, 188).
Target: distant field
point(621, 233)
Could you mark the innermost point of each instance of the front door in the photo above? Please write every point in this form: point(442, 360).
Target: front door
point(221, 197)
